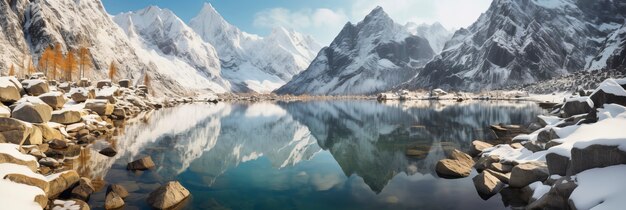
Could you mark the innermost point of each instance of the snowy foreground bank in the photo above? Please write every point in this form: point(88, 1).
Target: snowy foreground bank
point(574, 158)
point(45, 129)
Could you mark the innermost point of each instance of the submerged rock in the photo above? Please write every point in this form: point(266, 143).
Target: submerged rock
point(457, 165)
point(119, 189)
point(168, 195)
point(113, 201)
point(144, 163)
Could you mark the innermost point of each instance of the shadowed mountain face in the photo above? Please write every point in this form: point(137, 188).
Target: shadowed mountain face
point(349, 152)
point(372, 56)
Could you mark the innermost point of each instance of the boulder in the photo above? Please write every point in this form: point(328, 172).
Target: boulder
point(79, 95)
point(596, 156)
point(62, 182)
point(125, 83)
point(142, 164)
point(478, 147)
point(547, 135)
point(119, 189)
point(100, 106)
point(502, 168)
point(457, 165)
point(53, 99)
point(83, 190)
point(33, 110)
point(28, 180)
point(532, 146)
point(503, 177)
point(108, 93)
point(113, 201)
point(168, 195)
point(505, 133)
point(10, 90)
point(109, 151)
point(526, 173)
point(35, 87)
point(14, 131)
point(49, 162)
point(600, 98)
point(557, 197)
point(120, 113)
point(74, 204)
point(103, 83)
point(4, 111)
point(66, 117)
point(487, 185)
point(557, 164)
point(486, 162)
point(58, 144)
point(42, 200)
point(65, 87)
point(84, 82)
point(35, 137)
point(575, 107)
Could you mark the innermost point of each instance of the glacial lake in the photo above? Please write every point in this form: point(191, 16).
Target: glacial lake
point(304, 155)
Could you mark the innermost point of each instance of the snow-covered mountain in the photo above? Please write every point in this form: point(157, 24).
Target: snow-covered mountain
point(164, 39)
point(435, 33)
point(250, 62)
point(519, 42)
point(372, 56)
point(613, 51)
point(28, 27)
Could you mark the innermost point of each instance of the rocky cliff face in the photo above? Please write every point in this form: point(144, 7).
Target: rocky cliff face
point(369, 57)
point(519, 42)
point(31, 26)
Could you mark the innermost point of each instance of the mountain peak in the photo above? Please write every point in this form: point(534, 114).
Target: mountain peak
point(208, 9)
point(377, 15)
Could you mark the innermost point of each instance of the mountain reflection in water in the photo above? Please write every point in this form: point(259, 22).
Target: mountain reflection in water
point(305, 155)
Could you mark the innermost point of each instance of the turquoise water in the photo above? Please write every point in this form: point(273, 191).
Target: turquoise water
point(306, 155)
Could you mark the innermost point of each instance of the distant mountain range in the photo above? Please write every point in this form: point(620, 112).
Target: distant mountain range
point(514, 42)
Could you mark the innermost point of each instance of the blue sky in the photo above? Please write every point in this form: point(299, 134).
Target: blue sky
point(322, 19)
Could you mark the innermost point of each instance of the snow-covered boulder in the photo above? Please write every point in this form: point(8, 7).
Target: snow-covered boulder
point(66, 117)
point(103, 83)
point(36, 87)
point(124, 83)
point(84, 82)
point(14, 131)
point(100, 106)
point(4, 111)
point(62, 181)
point(9, 153)
point(32, 109)
point(10, 89)
point(107, 93)
point(80, 95)
point(576, 106)
point(611, 91)
point(53, 99)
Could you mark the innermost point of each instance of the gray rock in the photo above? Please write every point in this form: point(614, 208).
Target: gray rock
point(596, 156)
point(547, 135)
point(575, 107)
point(103, 83)
point(557, 164)
point(485, 162)
point(557, 197)
point(124, 83)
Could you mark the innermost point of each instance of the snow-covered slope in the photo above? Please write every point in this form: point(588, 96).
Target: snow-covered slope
point(613, 51)
point(435, 33)
point(250, 62)
point(29, 27)
point(372, 56)
point(162, 38)
point(516, 42)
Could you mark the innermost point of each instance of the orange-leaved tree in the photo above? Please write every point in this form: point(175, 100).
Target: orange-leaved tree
point(12, 70)
point(84, 61)
point(112, 70)
point(45, 61)
point(71, 65)
point(58, 59)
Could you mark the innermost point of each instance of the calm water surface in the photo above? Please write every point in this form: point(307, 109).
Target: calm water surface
point(305, 155)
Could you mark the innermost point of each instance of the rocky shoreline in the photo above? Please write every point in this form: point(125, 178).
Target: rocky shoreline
point(557, 162)
point(46, 127)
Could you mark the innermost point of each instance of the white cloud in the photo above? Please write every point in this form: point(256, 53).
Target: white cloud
point(323, 24)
